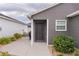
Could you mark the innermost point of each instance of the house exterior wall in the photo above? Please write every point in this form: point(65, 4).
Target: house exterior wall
point(58, 12)
point(8, 28)
point(74, 29)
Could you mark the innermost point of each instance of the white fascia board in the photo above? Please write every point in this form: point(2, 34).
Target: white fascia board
point(73, 14)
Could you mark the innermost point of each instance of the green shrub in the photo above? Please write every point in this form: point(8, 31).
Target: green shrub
point(17, 35)
point(5, 40)
point(4, 54)
point(64, 44)
point(13, 38)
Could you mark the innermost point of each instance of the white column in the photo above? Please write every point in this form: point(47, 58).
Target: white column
point(47, 31)
point(31, 32)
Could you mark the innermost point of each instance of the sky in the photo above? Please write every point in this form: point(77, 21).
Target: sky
point(20, 10)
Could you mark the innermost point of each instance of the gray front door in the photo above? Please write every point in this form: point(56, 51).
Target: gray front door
point(40, 30)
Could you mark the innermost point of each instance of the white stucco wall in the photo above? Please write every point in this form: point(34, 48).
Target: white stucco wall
point(9, 28)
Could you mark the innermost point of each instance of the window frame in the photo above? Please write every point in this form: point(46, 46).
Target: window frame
point(57, 25)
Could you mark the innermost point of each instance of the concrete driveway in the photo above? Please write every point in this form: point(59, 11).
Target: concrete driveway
point(23, 47)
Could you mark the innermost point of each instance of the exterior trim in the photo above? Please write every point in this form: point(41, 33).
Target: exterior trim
point(65, 25)
point(47, 32)
point(32, 36)
point(11, 19)
point(73, 14)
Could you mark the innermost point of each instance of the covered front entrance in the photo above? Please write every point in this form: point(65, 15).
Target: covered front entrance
point(40, 30)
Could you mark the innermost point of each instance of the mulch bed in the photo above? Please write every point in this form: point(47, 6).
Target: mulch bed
point(53, 52)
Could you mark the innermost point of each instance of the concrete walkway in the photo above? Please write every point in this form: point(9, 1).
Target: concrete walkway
point(39, 49)
point(23, 48)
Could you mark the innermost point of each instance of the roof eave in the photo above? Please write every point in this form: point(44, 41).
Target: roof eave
point(12, 19)
point(73, 14)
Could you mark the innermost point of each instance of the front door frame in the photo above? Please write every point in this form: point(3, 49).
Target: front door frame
point(32, 31)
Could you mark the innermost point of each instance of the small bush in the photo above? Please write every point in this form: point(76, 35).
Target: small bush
point(9, 39)
point(13, 38)
point(4, 54)
point(64, 44)
point(17, 35)
point(5, 40)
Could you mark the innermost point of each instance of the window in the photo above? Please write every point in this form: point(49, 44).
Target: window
point(61, 25)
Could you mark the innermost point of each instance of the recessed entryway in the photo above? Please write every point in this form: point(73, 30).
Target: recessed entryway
point(39, 31)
